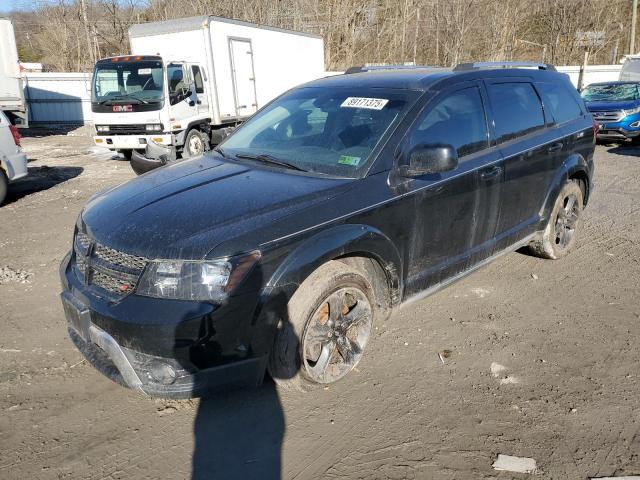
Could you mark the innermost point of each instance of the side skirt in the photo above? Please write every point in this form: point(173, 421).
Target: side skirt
point(431, 290)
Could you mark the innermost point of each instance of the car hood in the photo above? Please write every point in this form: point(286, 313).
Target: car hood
point(607, 106)
point(184, 210)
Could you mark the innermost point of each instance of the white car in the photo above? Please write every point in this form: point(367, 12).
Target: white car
point(13, 161)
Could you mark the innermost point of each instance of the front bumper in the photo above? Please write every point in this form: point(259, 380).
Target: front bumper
point(15, 165)
point(165, 348)
point(132, 142)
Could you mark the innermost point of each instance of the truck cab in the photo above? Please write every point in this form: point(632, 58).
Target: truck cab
point(139, 99)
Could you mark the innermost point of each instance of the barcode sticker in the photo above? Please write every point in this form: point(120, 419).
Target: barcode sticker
point(362, 102)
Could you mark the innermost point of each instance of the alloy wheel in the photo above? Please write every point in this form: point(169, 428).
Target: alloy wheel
point(336, 334)
point(566, 221)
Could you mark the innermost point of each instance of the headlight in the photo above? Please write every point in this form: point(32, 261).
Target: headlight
point(631, 111)
point(102, 128)
point(211, 280)
point(154, 127)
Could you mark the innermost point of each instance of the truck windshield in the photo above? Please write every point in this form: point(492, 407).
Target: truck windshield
point(615, 92)
point(127, 82)
point(326, 130)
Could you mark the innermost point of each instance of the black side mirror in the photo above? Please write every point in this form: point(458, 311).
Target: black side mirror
point(429, 158)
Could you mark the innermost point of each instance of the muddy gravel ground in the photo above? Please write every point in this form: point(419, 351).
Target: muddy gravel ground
point(543, 364)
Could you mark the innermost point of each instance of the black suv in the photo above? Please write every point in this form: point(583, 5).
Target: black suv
point(336, 202)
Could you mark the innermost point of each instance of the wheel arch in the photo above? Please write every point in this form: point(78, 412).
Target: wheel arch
point(346, 243)
point(575, 167)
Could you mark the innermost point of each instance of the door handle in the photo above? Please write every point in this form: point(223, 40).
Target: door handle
point(556, 147)
point(491, 173)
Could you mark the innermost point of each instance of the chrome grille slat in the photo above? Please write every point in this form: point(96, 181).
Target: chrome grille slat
point(609, 116)
point(97, 265)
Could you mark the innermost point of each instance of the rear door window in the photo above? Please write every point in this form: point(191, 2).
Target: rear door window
point(516, 108)
point(559, 102)
point(457, 120)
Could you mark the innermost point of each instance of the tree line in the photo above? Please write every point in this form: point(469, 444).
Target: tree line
point(70, 35)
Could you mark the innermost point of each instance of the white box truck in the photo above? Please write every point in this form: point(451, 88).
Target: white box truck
point(187, 79)
point(12, 101)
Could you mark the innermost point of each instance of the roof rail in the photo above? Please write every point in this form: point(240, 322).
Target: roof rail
point(479, 65)
point(369, 68)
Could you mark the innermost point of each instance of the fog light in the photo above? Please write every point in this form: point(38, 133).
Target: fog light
point(98, 140)
point(162, 373)
point(635, 124)
point(158, 140)
point(142, 141)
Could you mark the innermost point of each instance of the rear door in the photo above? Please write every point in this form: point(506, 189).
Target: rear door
point(242, 71)
point(529, 150)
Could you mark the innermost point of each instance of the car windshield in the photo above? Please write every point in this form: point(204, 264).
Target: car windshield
point(128, 82)
point(615, 92)
point(332, 131)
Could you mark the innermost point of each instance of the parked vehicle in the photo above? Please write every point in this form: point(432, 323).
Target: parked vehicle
point(630, 71)
point(335, 203)
point(13, 161)
point(616, 108)
point(12, 101)
point(188, 79)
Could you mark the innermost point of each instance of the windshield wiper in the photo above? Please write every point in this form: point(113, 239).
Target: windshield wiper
point(222, 152)
point(263, 157)
point(123, 99)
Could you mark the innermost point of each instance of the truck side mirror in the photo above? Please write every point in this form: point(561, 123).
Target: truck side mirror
point(429, 158)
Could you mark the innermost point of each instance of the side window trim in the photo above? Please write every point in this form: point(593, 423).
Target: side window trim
point(526, 80)
point(435, 100)
point(195, 72)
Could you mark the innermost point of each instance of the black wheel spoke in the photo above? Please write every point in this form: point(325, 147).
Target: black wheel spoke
point(348, 349)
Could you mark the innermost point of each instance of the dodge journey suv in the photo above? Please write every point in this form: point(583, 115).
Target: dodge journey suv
point(339, 200)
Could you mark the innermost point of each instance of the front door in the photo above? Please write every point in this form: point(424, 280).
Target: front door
point(183, 106)
point(244, 87)
point(455, 212)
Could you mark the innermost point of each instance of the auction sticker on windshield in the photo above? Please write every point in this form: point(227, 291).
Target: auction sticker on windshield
point(362, 102)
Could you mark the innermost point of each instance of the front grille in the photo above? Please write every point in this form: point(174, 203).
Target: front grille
point(609, 116)
point(109, 270)
point(130, 129)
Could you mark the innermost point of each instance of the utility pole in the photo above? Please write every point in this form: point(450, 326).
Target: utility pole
point(632, 42)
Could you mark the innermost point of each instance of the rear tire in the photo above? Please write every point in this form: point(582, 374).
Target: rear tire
point(559, 236)
point(328, 326)
point(4, 186)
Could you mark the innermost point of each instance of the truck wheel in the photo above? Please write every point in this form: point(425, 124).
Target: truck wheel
point(195, 143)
point(4, 186)
point(328, 326)
point(559, 236)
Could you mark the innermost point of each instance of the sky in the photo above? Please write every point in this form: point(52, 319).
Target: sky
point(7, 6)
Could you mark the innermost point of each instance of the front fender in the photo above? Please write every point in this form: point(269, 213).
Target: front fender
point(339, 241)
point(575, 166)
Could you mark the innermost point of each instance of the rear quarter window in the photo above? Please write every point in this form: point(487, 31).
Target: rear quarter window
point(517, 109)
point(559, 102)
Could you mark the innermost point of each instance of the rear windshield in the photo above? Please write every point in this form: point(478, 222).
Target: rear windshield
point(325, 130)
point(611, 93)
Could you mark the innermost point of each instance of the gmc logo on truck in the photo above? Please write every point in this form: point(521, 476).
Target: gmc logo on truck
point(123, 108)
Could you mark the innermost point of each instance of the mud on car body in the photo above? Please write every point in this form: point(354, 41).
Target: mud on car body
point(336, 202)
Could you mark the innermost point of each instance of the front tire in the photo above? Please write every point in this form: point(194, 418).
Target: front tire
point(328, 326)
point(195, 143)
point(559, 236)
